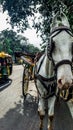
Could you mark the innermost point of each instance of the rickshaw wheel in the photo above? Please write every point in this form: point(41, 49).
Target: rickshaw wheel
point(25, 81)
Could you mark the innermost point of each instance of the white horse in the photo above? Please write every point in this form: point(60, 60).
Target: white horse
point(53, 70)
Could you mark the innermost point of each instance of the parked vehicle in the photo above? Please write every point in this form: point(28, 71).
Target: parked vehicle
point(6, 64)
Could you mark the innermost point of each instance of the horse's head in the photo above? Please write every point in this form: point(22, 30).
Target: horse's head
point(61, 44)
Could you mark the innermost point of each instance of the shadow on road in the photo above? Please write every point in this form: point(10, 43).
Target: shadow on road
point(5, 84)
point(25, 117)
point(63, 119)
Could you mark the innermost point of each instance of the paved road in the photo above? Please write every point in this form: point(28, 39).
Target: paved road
point(15, 114)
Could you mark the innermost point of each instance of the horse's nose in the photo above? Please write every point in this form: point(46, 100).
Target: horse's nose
point(64, 84)
point(60, 81)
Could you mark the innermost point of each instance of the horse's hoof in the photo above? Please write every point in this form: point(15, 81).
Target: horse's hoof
point(41, 128)
point(50, 128)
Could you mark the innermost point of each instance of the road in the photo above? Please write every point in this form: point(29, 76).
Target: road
point(15, 114)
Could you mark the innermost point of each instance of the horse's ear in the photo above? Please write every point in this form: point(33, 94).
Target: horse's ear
point(65, 20)
point(54, 19)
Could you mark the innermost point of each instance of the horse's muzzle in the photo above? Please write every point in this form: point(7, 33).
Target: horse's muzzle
point(64, 86)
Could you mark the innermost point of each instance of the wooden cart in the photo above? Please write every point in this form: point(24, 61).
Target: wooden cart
point(28, 72)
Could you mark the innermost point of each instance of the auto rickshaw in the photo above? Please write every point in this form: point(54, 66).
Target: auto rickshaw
point(5, 65)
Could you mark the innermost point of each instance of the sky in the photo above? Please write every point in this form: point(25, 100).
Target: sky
point(29, 33)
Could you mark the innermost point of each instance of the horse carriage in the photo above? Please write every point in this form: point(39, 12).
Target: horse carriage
point(5, 66)
point(28, 71)
point(29, 61)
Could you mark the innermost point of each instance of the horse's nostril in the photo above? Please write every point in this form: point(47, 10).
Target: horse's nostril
point(60, 81)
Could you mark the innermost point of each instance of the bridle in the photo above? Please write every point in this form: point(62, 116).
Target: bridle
point(54, 33)
point(59, 29)
point(68, 62)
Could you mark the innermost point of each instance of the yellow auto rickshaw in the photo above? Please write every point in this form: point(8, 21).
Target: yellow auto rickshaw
point(5, 65)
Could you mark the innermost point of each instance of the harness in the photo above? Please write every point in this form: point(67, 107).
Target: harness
point(50, 84)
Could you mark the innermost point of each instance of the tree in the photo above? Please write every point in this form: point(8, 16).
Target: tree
point(20, 10)
point(11, 42)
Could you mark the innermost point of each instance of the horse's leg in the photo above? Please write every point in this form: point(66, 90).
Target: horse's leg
point(41, 121)
point(41, 111)
point(51, 103)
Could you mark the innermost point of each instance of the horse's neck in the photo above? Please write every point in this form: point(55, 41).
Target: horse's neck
point(46, 68)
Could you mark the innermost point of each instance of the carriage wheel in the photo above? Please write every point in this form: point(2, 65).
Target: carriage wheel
point(25, 82)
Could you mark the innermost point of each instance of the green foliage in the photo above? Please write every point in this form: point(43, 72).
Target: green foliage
point(20, 10)
point(32, 49)
point(11, 42)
